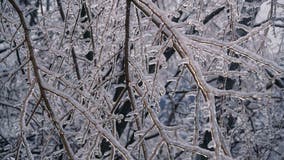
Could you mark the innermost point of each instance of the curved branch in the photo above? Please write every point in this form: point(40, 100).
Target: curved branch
point(179, 43)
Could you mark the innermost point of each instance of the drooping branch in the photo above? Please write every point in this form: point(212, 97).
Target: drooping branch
point(207, 43)
point(159, 18)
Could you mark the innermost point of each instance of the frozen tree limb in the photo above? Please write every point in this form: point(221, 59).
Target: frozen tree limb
point(39, 81)
point(127, 71)
point(158, 17)
point(202, 42)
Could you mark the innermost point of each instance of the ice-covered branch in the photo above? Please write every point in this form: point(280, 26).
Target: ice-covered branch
point(159, 18)
point(39, 81)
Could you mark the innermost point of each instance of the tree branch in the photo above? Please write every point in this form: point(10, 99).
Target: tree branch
point(159, 18)
point(38, 80)
point(127, 74)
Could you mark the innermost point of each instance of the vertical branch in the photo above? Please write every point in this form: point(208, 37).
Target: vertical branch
point(75, 63)
point(19, 58)
point(59, 4)
point(196, 122)
point(74, 58)
point(40, 83)
point(89, 20)
point(126, 69)
point(22, 122)
point(126, 44)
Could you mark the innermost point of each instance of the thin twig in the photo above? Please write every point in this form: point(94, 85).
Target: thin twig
point(127, 74)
